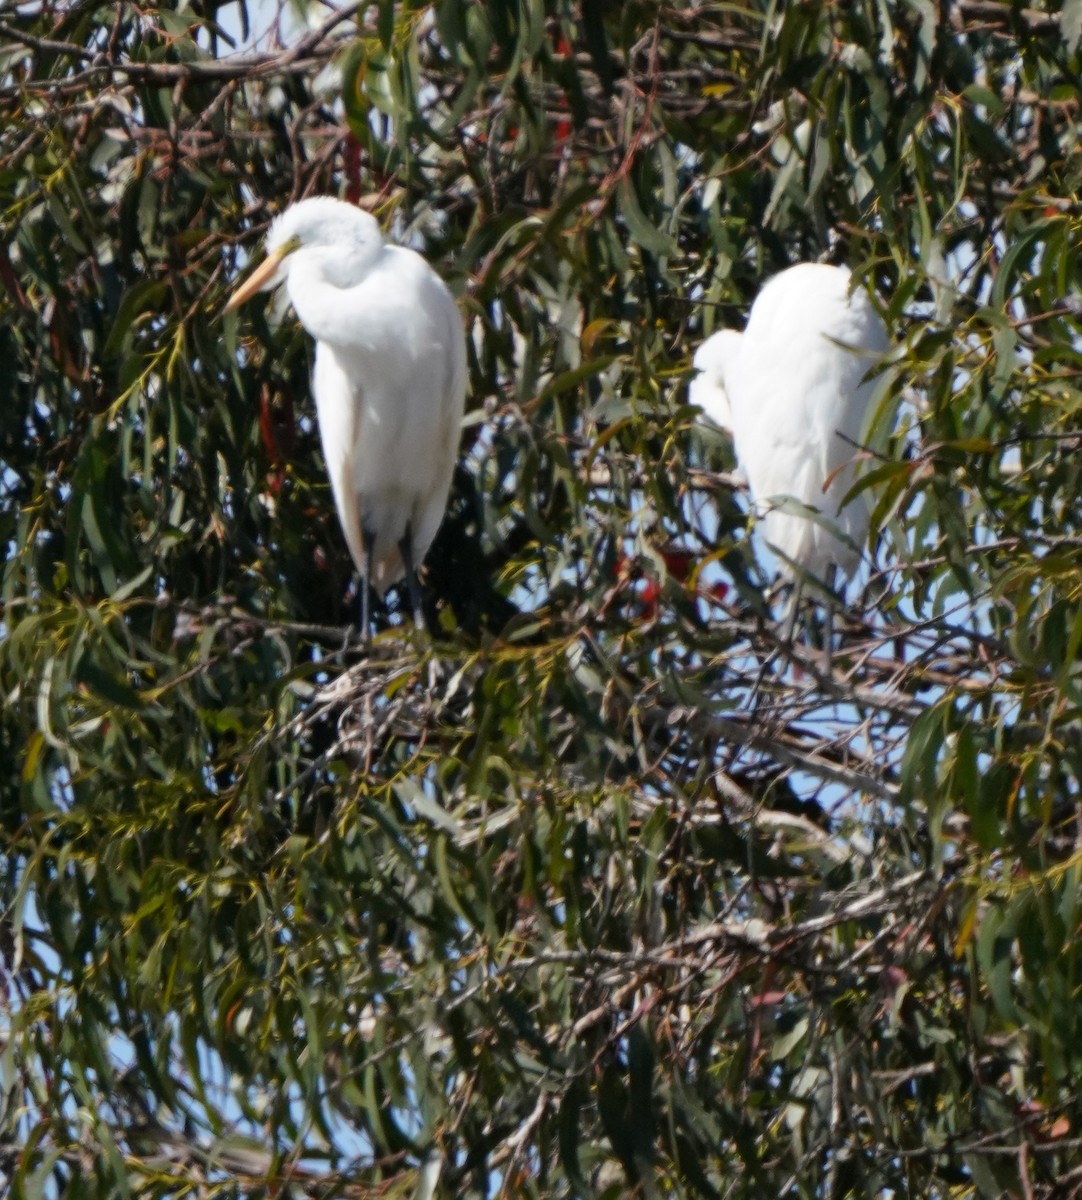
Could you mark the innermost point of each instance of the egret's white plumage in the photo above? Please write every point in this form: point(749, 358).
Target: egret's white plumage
point(792, 391)
point(389, 378)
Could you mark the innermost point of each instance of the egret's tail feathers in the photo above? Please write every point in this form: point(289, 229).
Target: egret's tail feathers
point(387, 571)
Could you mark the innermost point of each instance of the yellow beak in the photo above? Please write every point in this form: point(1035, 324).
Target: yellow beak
point(258, 280)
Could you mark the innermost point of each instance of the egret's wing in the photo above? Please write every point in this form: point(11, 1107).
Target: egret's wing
point(338, 404)
point(447, 408)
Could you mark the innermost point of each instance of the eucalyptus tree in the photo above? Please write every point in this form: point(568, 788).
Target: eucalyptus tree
point(541, 902)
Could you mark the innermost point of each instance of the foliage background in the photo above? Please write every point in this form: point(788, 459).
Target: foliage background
point(540, 906)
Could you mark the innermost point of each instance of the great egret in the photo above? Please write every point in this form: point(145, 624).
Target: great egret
point(389, 380)
point(792, 390)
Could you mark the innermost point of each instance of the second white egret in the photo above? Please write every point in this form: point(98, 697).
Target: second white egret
point(389, 380)
point(793, 391)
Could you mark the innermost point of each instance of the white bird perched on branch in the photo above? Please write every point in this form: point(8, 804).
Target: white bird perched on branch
point(792, 390)
point(389, 380)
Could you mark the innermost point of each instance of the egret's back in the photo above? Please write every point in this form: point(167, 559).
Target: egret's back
point(799, 403)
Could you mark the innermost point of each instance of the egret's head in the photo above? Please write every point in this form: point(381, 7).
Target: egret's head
point(712, 360)
point(339, 236)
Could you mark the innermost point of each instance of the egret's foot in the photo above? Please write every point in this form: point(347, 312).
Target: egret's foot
point(436, 674)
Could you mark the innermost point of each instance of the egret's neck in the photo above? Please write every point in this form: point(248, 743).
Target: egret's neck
point(317, 278)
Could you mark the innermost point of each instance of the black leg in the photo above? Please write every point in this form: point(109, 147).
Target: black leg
point(405, 547)
point(787, 629)
point(368, 541)
point(828, 618)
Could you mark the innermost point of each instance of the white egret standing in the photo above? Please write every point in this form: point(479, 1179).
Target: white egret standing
point(389, 380)
point(792, 390)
